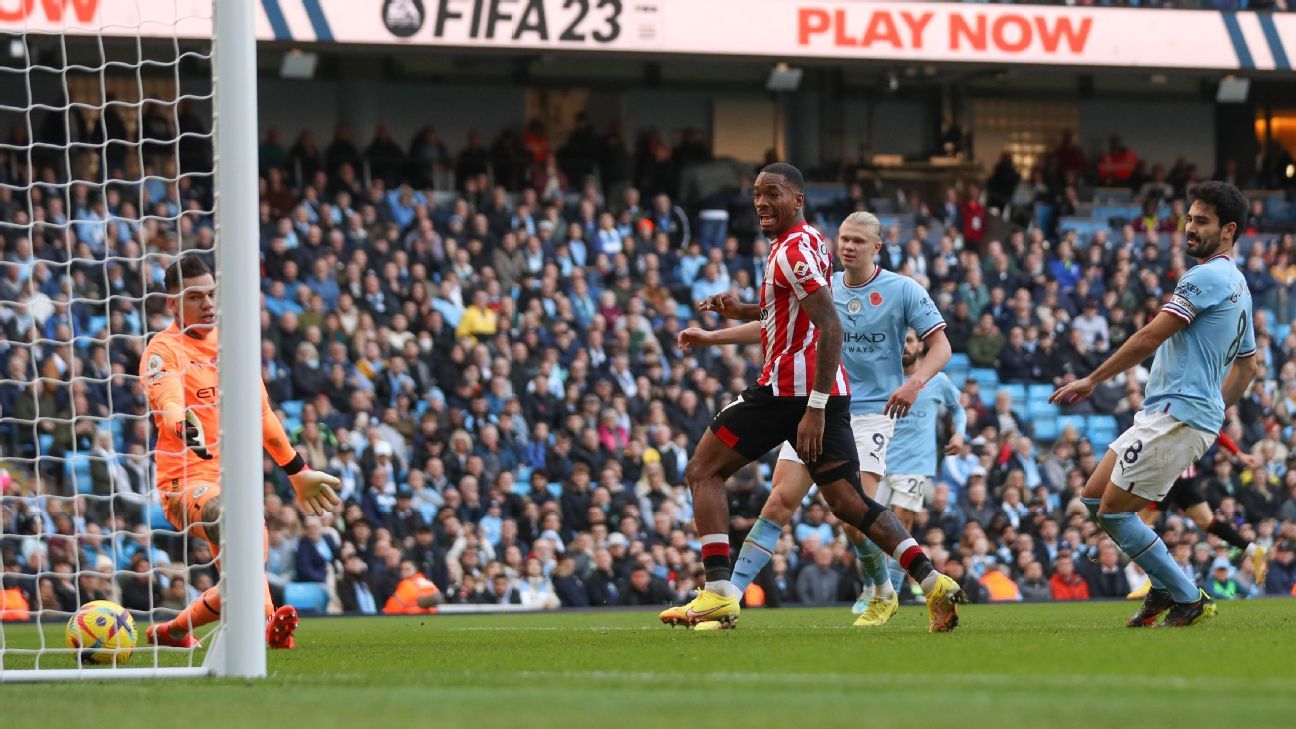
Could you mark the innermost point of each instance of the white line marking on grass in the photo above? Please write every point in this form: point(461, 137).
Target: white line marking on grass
point(1024, 682)
point(547, 629)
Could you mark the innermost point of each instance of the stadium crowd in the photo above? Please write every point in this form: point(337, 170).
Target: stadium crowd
point(489, 366)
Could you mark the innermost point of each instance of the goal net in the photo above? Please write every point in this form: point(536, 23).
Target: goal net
point(118, 154)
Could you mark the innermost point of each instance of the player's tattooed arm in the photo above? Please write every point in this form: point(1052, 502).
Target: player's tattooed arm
point(819, 307)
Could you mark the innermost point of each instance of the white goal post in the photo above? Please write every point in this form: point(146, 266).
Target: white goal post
point(42, 481)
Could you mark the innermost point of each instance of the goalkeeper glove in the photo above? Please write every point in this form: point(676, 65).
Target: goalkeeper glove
point(190, 431)
point(315, 491)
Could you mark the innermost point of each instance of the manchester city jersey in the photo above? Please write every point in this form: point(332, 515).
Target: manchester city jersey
point(875, 316)
point(1189, 368)
point(913, 447)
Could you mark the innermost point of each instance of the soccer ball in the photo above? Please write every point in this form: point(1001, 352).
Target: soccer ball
point(102, 632)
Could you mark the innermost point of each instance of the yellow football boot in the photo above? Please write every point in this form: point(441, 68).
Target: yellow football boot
point(880, 610)
point(708, 606)
point(942, 604)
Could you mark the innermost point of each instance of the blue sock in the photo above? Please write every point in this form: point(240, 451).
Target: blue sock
point(756, 552)
point(898, 574)
point(873, 563)
point(1145, 547)
point(1092, 506)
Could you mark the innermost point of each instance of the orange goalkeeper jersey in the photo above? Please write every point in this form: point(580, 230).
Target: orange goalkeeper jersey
point(180, 373)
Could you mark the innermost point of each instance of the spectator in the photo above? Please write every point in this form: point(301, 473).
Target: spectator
point(1281, 579)
point(1221, 585)
point(1066, 583)
point(643, 588)
point(1033, 586)
point(1106, 578)
point(817, 582)
point(315, 552)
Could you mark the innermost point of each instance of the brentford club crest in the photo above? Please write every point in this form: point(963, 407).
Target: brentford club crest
point(875, 298)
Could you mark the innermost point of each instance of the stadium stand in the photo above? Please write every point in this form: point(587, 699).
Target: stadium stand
point(481, 346)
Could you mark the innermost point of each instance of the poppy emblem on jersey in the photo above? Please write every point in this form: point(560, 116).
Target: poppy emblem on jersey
point(875, 298)
point(854, 306)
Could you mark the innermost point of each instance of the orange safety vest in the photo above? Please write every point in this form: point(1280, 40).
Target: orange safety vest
point(1000, 587)
point(13, 605)
point(405, 600)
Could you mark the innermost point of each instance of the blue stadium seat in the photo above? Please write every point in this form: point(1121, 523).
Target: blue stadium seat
point(523, 475)
point(1040, 407)
point(46, 442)
point(157, 518)
point(1076, 421)
point(1119, 213)
point(307, 597)
point(555, 489)
point(823, 197)
point(1281, 331)
point(1046, 427)
point(958, 368)
point(1084, 227)
point(958, 377)
point(77, 468)
point(984, 376)
point(1102, 430)
point(1044, 214)
point(1113, 195)
point(1017, 392)
point(889, 219)
point(292, 408)
point(1039, 392)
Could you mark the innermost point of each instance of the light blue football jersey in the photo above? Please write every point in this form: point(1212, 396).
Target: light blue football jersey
point(875, 316)
point(1189, 368)
point(913, 448)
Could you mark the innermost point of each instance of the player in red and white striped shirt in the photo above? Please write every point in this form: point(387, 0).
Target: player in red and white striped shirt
point(802, 396)
point(798, 266)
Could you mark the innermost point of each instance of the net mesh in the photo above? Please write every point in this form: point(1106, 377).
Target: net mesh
point(106, 175)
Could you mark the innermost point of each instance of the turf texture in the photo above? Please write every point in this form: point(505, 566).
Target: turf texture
point(1057, 666)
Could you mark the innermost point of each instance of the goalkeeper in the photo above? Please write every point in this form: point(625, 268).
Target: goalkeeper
point(182, 380)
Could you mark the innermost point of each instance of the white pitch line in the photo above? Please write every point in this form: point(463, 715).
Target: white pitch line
point(1025, 682)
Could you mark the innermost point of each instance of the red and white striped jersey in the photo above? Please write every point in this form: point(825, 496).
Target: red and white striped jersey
point(798, 266)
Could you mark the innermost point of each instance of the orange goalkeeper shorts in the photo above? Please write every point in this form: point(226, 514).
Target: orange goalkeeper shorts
point(183, 504)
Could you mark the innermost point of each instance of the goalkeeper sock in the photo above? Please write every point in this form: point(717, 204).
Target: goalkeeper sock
point(756, 552)
point(873, 565)
point(1145, 547)
point(206, 609)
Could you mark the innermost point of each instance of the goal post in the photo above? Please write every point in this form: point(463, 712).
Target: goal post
point(165, 72)
point(240, 343)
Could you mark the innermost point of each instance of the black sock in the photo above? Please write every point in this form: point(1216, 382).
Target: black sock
point(717, 568)
point(1225, 531)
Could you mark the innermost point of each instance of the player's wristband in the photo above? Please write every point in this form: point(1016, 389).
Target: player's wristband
point(295, 466)
point(818, 400)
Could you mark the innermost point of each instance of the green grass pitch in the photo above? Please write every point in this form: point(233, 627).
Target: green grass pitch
point(1056, 666)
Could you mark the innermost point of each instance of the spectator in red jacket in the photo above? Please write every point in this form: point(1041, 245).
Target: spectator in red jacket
point(1066, 583)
